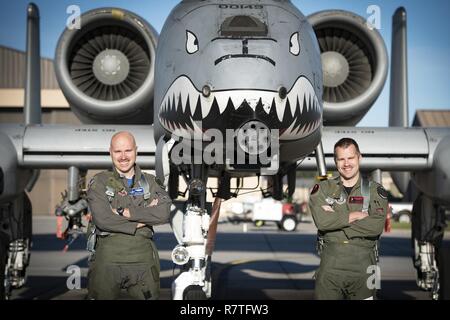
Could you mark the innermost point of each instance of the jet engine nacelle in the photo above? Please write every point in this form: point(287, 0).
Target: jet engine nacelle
point(436, 183)
point(13, 180)
point(106, 68)
point(354, 64)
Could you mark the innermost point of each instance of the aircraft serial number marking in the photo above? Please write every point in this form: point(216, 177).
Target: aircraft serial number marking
point(240, 6)
point(93, 130)
point(354, 131)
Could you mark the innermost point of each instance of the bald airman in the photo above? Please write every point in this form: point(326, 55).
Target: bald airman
point(125, 204)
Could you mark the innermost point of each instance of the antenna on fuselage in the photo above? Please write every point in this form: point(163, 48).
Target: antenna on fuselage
point(32, 106)
point(398, 101)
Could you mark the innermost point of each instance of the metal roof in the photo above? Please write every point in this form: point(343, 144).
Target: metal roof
point(432, 118)
point(13, 70)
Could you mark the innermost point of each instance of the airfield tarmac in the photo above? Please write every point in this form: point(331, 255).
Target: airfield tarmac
point(259, 264)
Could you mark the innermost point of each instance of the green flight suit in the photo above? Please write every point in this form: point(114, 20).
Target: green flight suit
point(125, 256)
point(348, 248)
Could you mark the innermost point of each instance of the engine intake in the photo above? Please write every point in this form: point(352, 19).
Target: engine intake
point(354, 63)
point(106, 68)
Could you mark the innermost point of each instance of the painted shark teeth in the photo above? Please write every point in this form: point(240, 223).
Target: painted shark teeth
point(298, 115)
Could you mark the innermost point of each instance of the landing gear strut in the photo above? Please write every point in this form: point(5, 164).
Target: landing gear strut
point(428, 225)
point(194, 282)
point(72, 208)
point(15, 243)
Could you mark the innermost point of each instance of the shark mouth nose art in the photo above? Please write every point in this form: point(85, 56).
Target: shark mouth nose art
point(184, 107)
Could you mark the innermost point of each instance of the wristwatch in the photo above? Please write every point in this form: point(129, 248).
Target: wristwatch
point(120, 211)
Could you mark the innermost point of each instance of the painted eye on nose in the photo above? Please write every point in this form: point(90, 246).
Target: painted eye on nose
point(191, 42)
point(294, 44)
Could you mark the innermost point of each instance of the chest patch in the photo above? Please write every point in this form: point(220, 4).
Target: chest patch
point(358, 200)
point(327, 208)
point(137, 191)
point(122, 193)
point(341, 200)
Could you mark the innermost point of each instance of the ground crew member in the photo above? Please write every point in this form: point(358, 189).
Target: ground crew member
point(125, 203)
point(349, 212)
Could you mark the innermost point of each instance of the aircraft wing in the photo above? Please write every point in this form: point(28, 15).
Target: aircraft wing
point(400, 149)
point(419, 150)
point(82, 146)
point(87, 146)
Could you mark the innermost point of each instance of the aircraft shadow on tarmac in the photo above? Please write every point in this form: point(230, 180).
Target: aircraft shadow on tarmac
point(226, 275)
point(50, 287)
point(250, 242)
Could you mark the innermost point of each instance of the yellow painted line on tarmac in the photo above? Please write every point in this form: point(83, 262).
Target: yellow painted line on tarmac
point(243, 261)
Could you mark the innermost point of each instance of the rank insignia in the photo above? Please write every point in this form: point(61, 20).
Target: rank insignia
point(91, 182)
point(382, 192)
point(315, 189)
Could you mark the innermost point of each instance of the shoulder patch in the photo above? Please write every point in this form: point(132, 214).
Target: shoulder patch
point(152, 178)
point(315, 188)
point(382, 192)
point(114, 183)
point(100, 179)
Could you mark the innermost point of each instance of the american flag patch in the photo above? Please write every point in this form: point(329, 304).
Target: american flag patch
point(328, 208)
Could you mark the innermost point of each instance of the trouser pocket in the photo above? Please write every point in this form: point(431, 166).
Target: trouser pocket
point(142, 282)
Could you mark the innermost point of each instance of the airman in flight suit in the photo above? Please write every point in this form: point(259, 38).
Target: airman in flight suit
point(125, 203)
point(349, 212)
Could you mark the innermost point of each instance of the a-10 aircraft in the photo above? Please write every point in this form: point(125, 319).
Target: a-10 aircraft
point(281, 88)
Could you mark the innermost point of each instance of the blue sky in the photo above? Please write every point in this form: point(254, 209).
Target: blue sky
point(428, 38)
